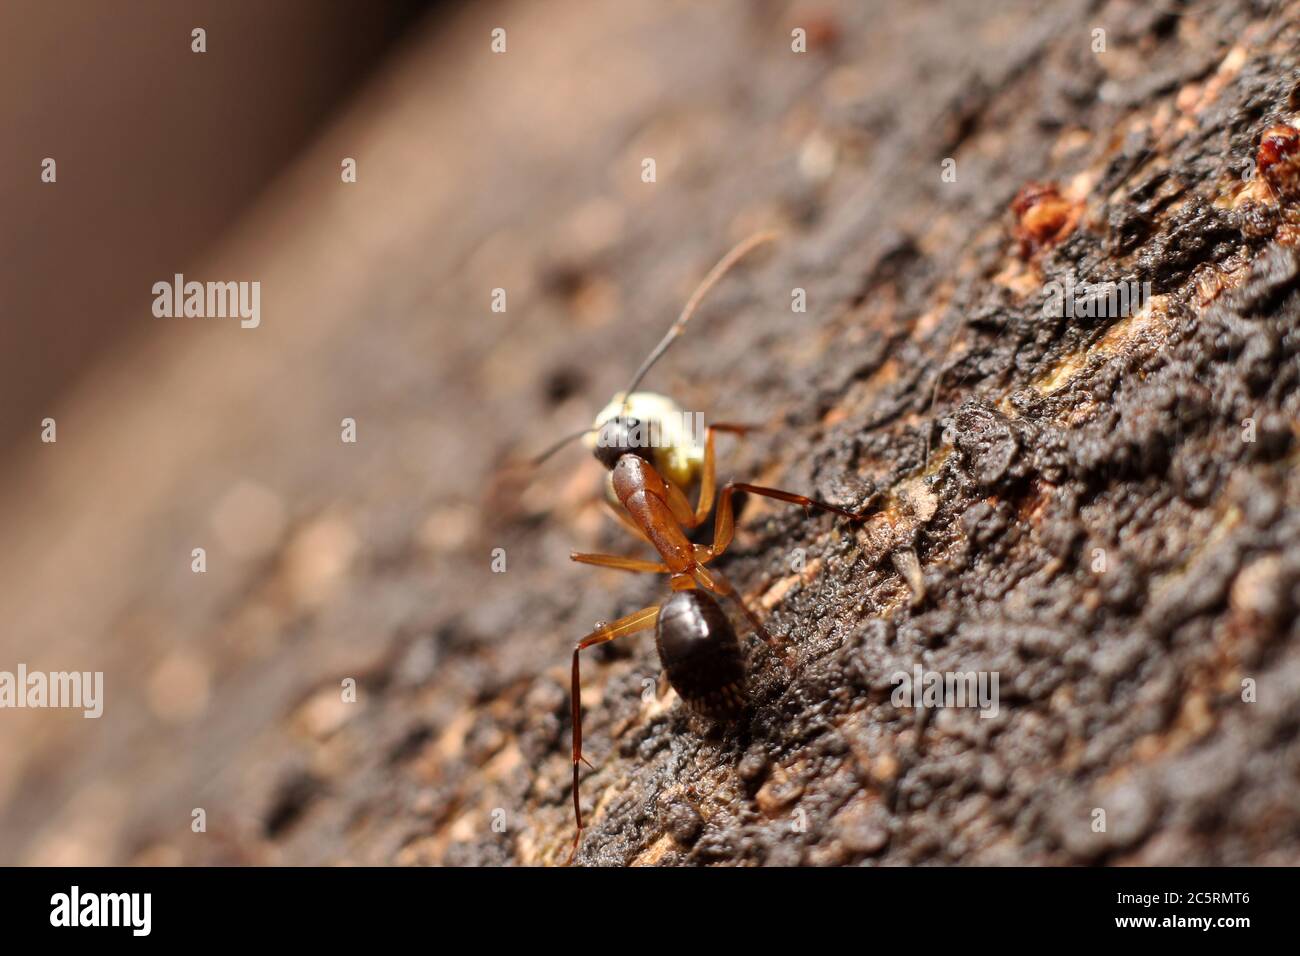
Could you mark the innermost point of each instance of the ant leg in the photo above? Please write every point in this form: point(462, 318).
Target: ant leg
point(725, 523)
point(638, 621)
point(619, 562)
point(708, 474)
point(717, 582)
point(809, 504)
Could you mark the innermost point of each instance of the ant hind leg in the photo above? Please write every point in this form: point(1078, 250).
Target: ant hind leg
point(638, 621)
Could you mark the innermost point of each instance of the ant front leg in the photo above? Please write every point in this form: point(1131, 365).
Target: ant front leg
point(725, 522)
point(708, 473)
point(638, 621)
point(620, 563)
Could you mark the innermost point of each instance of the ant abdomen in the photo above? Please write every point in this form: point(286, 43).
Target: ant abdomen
point(701, 655)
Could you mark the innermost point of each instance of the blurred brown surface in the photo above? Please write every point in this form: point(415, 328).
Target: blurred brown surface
point(372, 561)
point(159, 149)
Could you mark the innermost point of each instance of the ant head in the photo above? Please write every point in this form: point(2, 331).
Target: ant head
point(652, 426)
point(622, 435)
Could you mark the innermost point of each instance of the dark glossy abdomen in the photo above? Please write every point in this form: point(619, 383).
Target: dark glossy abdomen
point(700, 654)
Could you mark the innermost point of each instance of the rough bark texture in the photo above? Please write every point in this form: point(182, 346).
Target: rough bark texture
point(1088, 516)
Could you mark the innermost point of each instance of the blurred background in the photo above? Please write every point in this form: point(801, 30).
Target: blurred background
point(160, 151)
point(168, 161)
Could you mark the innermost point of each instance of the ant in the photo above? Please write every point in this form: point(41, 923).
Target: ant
point(646, 488)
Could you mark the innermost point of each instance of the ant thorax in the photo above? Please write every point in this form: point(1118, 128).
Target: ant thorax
point(673, 438)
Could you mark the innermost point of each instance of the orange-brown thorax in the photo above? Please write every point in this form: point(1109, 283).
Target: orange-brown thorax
point(642, 491)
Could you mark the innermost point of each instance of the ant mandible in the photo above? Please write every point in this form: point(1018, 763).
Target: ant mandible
point(647, 485)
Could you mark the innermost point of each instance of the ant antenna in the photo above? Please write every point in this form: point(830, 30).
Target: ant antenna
point(738, 252)
point(724, 266)
point(541, 459)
